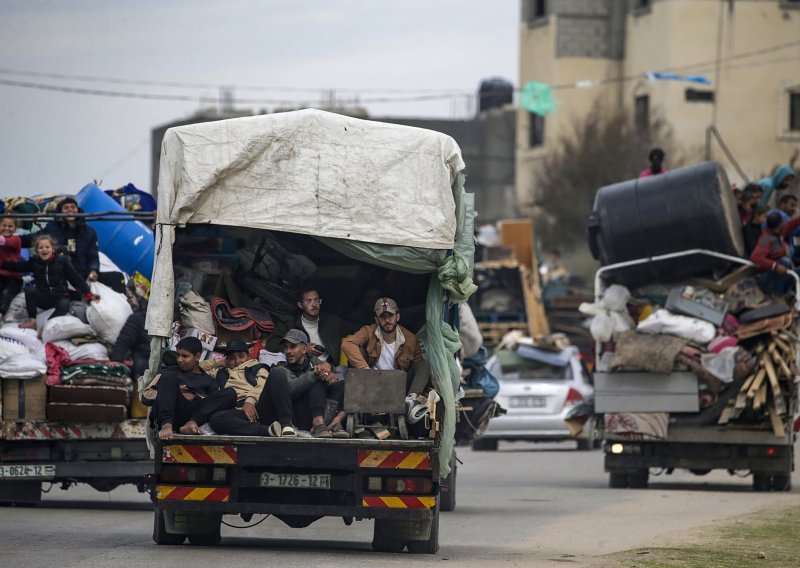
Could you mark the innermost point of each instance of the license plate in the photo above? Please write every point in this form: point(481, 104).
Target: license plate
point(38, 471)
point(527, 402)
point(296, 480)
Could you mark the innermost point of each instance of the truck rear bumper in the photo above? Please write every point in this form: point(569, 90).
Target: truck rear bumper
point(298, 509)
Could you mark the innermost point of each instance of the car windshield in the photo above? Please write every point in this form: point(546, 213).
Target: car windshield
point(514, 366)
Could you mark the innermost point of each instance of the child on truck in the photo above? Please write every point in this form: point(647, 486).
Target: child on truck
point(10, 247)
point(51, 273)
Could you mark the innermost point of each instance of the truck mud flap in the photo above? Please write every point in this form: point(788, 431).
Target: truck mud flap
point(191, 522)
point(405, 529)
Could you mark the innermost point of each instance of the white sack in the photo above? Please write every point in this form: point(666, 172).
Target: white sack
point(16, 309)
point(27, 337)
point(721, 364)
point(196, 312)
point(616, 298)
point(663, 321)
point(41, 320)
point(64, 327)
point(109, 314)
point(11, 347)
point(601, 328)
point(23, 366)
point(85, 351)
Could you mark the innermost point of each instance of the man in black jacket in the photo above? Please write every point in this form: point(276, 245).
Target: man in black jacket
point(324, 331)
point(78, 239)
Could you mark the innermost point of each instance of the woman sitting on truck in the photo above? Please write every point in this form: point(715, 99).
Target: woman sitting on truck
point(51, 274)
point(10, 247)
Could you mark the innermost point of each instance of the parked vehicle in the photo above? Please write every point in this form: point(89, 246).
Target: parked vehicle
point(286, 182)
point(538, 389)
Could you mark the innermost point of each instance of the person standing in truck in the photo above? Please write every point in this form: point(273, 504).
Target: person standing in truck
point(181, 390)
point(656, 158)
point(387, 346)
point(780, 180)
point(771, 255)
point(10, 248)
point(78, 239)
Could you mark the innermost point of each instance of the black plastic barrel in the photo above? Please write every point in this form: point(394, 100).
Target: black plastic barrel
point(688, 208)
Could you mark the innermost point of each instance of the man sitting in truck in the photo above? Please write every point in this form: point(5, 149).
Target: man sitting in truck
point(261, 409)
point(771, 255)
point(387, 346)
point(182, 389)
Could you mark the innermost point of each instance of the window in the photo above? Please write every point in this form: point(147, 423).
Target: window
point(535, 130)
point(642, 113)
point(699, 96)
point(539, 8)
point(794, 112)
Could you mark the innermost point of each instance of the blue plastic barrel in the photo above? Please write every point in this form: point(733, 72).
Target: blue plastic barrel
point(130, 244)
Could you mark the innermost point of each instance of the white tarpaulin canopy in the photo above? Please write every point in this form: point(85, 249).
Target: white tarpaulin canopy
point(308, 172)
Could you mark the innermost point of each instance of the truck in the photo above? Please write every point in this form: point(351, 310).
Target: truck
point(37, 452)
point(662, 400)
point(367, 208)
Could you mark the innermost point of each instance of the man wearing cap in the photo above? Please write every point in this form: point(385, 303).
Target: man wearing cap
point(263, 405)
point(387, 346)
point(78, 238)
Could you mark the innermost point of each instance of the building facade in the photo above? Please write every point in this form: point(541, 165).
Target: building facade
point(598, 52)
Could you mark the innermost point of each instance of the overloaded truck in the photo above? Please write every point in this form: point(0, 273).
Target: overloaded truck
point(249, 207)
point(63, 425)
point(696, 368)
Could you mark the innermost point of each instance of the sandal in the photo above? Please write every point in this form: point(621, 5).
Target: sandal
point(288, 431)
point(321, 431)
point(338, 431)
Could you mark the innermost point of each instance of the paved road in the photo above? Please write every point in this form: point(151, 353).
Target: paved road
point(525, 505)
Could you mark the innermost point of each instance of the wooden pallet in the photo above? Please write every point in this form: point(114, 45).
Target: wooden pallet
point(493, 332)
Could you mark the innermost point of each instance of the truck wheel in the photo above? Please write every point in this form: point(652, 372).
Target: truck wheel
point(430, 546)
point(447, 487)
point(381, 542)
point(617, 480)
point(781, 482)
point(160, 534)
point(638, 480)
point(761, 482)
point(484, 444)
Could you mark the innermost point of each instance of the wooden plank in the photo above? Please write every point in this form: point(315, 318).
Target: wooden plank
point(751, 392)
point(777, 424)
point(777, 395)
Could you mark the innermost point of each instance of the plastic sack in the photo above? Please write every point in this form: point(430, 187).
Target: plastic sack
point(196, 312)
point(96, 351)
point(602, 327)
point(64, 327)
point(620, 323)
point(109, 314)
point(663, 321)
point(616, 298)
point(23, 366)
point(11, 347)
point(721, 364)
point(27, 337)
point(16, 310)
point(41, 320)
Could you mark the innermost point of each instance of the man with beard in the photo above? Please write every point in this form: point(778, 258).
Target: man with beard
point(387, 346)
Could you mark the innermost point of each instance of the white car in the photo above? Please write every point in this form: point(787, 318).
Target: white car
point(537, 390)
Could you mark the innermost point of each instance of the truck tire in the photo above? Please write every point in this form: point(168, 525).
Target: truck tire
point(761, 482)
point(430, 546)
point(447, 487)
point(638, 480)
point(382, 542)
point(617, 480)
point(160, 534)
point(781, 482)
point(484, 444)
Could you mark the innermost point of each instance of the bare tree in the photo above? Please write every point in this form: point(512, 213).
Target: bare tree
point(602, 149)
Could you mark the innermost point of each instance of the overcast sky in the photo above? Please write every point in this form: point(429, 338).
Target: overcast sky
point(56, 142)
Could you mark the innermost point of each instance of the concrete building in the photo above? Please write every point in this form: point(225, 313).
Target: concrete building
point(750, 49)
point(487, 143)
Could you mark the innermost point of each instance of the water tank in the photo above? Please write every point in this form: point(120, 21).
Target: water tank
point(130, 244)
point(495, 92)
point(687, 208)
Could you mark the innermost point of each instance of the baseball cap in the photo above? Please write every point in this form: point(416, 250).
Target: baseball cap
point(295, 336)
point(385, 305)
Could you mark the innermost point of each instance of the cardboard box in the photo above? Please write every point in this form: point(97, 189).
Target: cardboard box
point(24, 399)
point(87, 412)
point(82, 394)
point(207, 339)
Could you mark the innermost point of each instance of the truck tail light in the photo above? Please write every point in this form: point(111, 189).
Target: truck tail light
point(415, 485)
point(573, 397)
